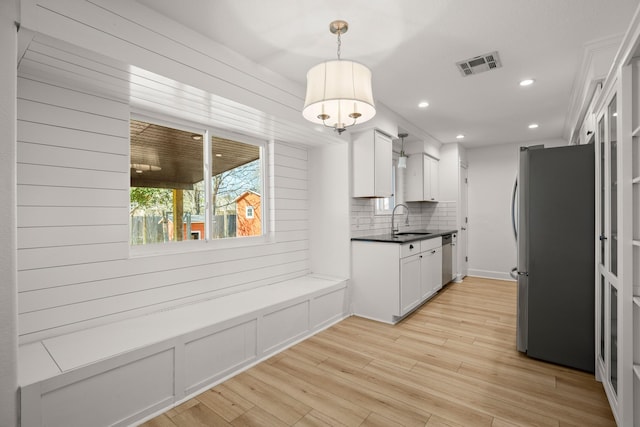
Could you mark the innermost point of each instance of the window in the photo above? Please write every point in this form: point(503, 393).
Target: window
point(166, 189)
point(236, 184)
point(169, 192)
point(249, 212)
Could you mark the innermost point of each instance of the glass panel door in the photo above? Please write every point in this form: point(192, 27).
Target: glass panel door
point(602, 305)
point(602, 311)
point(613, 352)
point(613, 183)
point(603, 187)
point(612, 120)
point(607, 253)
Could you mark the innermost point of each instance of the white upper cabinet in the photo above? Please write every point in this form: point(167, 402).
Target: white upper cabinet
point(434, 182)
point(372, 164)
point(422, 178)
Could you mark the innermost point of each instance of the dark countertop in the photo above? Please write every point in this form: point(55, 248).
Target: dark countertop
point(406, 238)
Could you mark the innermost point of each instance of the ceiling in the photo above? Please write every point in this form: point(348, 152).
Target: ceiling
point(412, 46)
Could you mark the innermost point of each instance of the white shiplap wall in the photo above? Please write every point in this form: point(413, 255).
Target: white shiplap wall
point(165, 66)
point(74, 267)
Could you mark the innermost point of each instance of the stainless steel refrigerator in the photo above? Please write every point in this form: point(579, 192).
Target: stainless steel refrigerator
point(555, 220)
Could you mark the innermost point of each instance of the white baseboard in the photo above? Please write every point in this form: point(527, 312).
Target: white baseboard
point(487, 274)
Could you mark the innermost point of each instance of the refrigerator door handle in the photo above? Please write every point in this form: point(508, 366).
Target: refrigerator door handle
point(513, 209)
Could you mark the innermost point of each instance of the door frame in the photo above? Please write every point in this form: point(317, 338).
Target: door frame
point(463, 221)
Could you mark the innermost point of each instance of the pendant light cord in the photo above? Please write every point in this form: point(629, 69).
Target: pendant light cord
point(339, 44)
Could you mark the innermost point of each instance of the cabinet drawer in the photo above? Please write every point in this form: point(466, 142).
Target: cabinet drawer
point(429, 244)
point(409, 249)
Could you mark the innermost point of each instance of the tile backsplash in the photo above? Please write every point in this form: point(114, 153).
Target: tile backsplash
point(429, 215)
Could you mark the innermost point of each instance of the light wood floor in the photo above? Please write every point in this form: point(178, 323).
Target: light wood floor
point(451, 363)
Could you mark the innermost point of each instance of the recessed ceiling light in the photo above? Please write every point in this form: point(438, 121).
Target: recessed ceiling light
point(527, 82)
point(218, 155)
point(196, 137)
point(459, 136)
point(533, 125)
point(144, 167)
point(423, 104)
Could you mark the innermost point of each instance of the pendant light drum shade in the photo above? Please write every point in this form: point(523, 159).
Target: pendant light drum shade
point(402, 161)
point(339, 94)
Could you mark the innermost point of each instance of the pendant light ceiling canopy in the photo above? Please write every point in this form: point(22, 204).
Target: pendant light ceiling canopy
point(339, 92)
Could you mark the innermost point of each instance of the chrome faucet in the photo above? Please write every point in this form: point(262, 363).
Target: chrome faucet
point(394, 228)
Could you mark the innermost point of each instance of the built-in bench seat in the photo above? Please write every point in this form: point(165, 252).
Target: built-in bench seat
point(123, 372)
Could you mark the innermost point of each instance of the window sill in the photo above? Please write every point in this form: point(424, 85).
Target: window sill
point(170, 248)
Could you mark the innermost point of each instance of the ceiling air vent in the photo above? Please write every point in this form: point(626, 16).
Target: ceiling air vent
point(479, 64)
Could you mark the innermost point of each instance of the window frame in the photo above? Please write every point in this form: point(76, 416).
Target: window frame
point(207, 243)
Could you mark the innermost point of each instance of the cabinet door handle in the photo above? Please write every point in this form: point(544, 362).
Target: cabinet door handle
point(410, 246)
point(433, 251)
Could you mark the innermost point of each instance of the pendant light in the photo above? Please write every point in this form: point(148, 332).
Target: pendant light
point(402, 160)
point(339, 93)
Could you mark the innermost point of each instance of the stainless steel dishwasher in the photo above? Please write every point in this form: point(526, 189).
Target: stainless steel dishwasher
point(447, 267)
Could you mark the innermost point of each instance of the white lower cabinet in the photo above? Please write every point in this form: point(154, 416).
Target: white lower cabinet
point(431, 271)
point(454, 257)
point(390, 280)
point(410, 282)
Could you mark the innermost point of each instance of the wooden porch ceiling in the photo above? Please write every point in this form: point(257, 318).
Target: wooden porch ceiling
point(164, 157)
